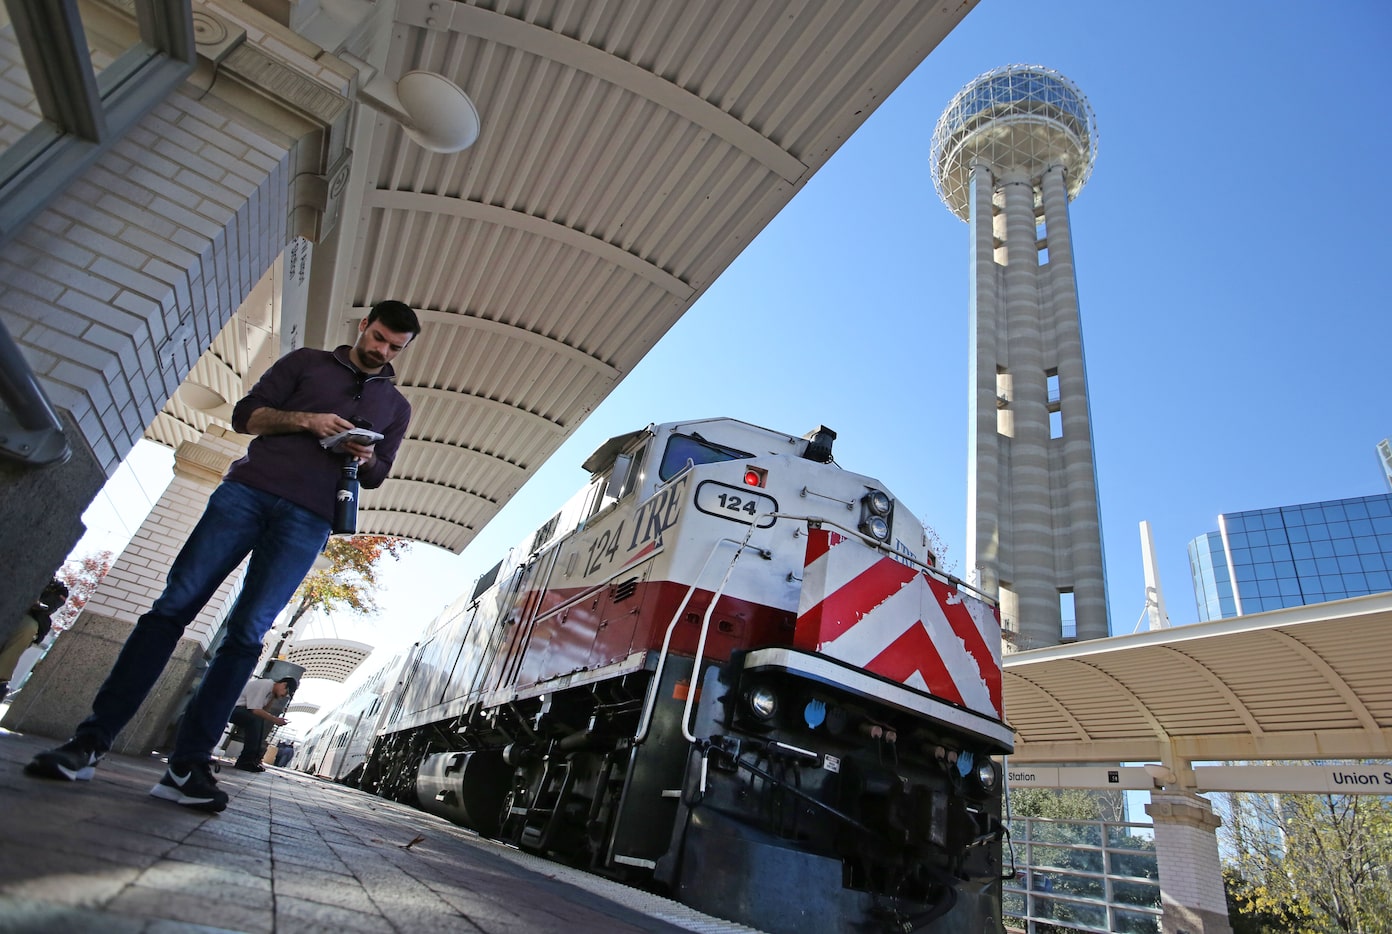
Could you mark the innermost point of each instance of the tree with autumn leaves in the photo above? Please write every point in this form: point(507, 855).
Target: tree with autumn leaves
point(348, 581)
point(1308, 863)
point(82, 575)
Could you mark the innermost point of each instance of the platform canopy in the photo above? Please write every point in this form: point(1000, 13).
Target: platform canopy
point(330, 659)
point(630, 150)
point(1307, 682)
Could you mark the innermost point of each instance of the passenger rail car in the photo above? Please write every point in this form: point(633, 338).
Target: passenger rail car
point(337, 746)
point(728, 670)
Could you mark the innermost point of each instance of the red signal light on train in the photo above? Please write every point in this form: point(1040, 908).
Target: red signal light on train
point(753, 476)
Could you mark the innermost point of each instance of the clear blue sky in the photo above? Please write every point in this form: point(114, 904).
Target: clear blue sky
point(1232, 250)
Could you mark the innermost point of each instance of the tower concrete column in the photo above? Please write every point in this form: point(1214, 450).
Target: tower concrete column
point(59, 692)
point(1191, 876)
point(1031, 521)
point(1079, 537)
point(984, 441)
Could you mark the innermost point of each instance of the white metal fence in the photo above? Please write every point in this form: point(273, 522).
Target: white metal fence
point(1083, 876)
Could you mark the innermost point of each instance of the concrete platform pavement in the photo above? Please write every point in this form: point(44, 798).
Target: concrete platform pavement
point(291, 854)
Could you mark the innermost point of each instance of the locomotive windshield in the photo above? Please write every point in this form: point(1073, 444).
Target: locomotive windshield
point(682, 449)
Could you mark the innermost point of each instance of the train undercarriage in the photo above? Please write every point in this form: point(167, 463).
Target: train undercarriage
point(831, 812)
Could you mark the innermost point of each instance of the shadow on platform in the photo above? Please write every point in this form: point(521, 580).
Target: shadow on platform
point(290, 854)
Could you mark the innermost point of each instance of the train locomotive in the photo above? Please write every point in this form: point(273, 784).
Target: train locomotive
point(727, 670)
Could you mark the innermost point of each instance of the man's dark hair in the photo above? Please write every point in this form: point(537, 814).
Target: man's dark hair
point(291, 685)
point(396, 316)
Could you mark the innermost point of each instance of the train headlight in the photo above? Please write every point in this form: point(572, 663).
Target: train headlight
point(876, 527)
point(875, 510)
point(877, 501)
point(987, 775)
point(761, 701)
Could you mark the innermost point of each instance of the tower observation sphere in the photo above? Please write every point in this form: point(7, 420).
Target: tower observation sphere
point(1022, 117)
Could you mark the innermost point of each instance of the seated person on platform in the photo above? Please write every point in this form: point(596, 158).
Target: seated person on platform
point(258, 709)
point(31, 630)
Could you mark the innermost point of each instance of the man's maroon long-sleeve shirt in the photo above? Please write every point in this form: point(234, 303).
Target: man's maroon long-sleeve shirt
point(294, 466)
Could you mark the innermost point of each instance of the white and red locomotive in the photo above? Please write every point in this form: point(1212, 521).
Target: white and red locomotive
point(729, 670)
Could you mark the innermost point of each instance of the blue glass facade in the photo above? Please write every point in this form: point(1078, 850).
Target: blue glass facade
point(1208, 564)
point(1292, 556)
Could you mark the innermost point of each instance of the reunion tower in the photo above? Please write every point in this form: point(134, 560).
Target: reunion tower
point(1011, 150)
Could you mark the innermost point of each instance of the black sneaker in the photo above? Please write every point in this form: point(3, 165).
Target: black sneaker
point(192, 785)
point(74, 761)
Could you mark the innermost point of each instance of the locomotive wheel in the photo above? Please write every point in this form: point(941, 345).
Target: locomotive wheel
point(486, 791)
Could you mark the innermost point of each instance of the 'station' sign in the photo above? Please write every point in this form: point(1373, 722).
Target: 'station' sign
point(1124, 777)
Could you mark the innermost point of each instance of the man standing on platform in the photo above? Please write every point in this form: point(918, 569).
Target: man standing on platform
point(275, 504)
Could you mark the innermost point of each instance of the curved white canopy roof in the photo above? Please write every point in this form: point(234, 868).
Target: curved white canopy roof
point(1306, 682)
point(331, 659)
point(630, 150)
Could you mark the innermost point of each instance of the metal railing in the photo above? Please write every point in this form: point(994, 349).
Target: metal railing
point(30, 431)
point(1083, 876)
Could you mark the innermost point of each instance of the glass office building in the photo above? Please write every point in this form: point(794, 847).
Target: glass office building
point(1266, 559)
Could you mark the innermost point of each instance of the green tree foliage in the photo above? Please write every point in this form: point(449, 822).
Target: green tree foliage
point(1311, 863)
point(1251, 910)
point(348, 582)
point(1058, 804)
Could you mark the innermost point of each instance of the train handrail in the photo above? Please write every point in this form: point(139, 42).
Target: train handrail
point(878, 545)
point(705, 628)
point(645, 721)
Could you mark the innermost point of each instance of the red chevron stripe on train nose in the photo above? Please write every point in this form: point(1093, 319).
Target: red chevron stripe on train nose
point(869, 610)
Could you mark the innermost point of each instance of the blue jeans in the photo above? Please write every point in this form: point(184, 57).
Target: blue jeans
point(283, 540)
point(254, 730)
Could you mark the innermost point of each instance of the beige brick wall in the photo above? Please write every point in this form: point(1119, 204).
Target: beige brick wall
point(121, 282)
point(18, 110)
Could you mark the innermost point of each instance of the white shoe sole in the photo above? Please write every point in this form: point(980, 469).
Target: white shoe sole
point(50, 769)
point(166, 793)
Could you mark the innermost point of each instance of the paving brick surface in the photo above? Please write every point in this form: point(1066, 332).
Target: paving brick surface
point(290, 854)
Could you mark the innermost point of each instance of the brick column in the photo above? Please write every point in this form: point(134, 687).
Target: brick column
point(60, 691)
point(1191, 877)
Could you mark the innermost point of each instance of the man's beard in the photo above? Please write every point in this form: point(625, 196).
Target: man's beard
point(373, 359)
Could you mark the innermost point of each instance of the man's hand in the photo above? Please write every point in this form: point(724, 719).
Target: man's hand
point(363, 452)
point(324, 424)
point(269, 421)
